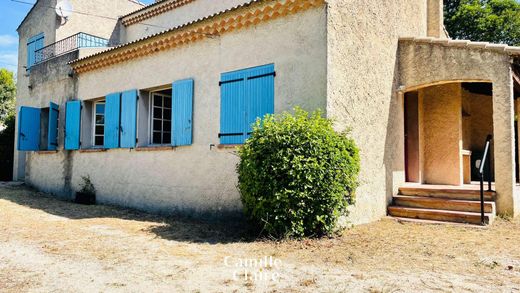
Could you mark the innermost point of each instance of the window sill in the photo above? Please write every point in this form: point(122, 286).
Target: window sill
point(228, 146)
point(154, 148)
point(97, 150)
point(46, 152)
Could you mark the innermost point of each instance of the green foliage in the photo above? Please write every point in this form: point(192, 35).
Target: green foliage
point(496, 21)
point(297, 176)
point(7, 94)
point(87, 187)
point(7, 149)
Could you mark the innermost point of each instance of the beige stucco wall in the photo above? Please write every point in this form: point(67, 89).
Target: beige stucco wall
point(198, 178)
point(101, 21)
point(436, 19)
point(424, 63)
point(178, 16)
point(43, 23)
point(362, 90)
point(42, 19)
point(441, 125)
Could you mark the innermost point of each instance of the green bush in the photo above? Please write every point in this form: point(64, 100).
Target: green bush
point(296, 175)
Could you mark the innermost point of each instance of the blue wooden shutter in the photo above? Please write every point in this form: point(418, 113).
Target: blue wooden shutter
point(259, 94)
point(182, 112)
point(72, 125)
point(232, 108)
point(128, 119)
point(33, 44)
point(54, 112)
point(29, 129)
point(112, 120)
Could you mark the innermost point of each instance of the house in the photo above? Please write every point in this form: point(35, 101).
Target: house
point(151, 101)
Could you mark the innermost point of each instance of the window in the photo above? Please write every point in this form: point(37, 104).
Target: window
point(34, 44)
point(161, 118)
point(245, 96)
point(99, 124)
point(38, 128)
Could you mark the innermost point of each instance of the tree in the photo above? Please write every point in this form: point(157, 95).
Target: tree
point(496, 21)
point(7, 95)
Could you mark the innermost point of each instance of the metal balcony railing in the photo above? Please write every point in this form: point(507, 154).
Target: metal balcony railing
point(72, 43)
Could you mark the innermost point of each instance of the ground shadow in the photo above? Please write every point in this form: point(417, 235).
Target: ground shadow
point(175, 228)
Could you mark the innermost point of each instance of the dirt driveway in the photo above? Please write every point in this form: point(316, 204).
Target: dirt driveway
point(50, 245)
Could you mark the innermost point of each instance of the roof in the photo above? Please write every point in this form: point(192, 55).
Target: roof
point(499, 48)
point(27, 15)
point(152, 10)
point(34, 5)
point(250, 13)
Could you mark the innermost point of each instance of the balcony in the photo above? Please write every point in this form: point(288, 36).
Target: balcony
point(72, 43)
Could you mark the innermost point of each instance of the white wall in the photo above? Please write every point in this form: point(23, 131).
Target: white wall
point(178, 16)
point(197, 178)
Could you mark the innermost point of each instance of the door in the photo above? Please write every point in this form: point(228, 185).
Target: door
point(411, 136)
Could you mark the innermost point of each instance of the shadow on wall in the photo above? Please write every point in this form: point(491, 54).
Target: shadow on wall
point(169, 228)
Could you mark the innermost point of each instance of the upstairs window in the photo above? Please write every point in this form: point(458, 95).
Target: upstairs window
point(99, 124)
point(161, 118)
point(34, 44)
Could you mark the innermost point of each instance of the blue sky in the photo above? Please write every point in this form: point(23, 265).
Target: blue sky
point(11, 14)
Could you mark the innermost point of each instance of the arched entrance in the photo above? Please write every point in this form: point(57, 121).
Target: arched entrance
point(446, 126)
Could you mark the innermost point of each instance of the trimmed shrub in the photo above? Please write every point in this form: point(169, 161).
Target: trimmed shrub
point(296, 175)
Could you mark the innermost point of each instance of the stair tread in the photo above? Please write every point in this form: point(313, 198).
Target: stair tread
point(446, 190)
point(460, 194)
point(438, 199)
point(438, 211)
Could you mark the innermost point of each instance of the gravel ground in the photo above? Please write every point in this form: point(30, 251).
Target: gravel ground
point(50, 245)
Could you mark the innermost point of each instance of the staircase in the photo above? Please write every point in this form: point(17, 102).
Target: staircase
point(444, 204)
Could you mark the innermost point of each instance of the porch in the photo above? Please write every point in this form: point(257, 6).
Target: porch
point(455, 95)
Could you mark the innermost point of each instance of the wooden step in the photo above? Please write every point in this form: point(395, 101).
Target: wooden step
point(451, 193)
point(439, 215)
point(443, 204)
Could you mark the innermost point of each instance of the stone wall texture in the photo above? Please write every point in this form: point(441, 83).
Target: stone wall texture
point(362, 86)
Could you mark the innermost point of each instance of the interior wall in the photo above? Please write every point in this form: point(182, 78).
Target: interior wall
point(477, 124)
point(442, 134)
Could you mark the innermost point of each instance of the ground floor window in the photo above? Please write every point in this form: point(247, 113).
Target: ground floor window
point(99, 123)
point(161, 118)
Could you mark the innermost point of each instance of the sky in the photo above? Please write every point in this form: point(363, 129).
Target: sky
point(11, 15)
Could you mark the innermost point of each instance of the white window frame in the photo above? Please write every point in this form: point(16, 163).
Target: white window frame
point(94, 124)
point(151, 118)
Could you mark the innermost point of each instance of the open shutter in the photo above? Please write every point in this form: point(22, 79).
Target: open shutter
point(112, 120)
point(182, 112)
point(54, 112)
point(29, 129)
point(129, 119)
point(72, 125)
point(260, 94)
point(232, 108)
point(33, 44)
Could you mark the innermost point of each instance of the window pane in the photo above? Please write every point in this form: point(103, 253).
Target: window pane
point(100, 119)
point(100, 108)
point(168, 114)
point(157, 101)
point(167, 138)
point(167, 102)
point(167, 125)
point(99, 140)
point(157, 138)
point(100, 130)
point(157, 113)
point(157, 125)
